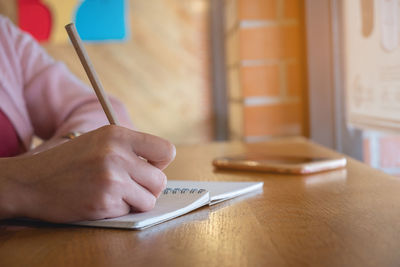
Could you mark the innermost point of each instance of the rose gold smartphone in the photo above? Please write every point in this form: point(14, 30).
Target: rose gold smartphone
point(279, 164)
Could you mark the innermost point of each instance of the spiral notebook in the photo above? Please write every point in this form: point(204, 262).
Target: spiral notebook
point(179, 198)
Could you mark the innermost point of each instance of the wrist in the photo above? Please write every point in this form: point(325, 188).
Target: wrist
point(53, 142)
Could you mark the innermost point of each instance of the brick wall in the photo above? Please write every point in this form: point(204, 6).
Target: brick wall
point(265, 68)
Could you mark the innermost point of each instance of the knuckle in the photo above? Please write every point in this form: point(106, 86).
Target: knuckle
point(148, 203)
point(164, 182)
point(99, 206)
point(105, 181)
point(142, 137)
point(103, 203)
point(160, 183)
point(107, 156)
point(170, 151)
point(110, 156)
point(166, 151)
point(110, 133)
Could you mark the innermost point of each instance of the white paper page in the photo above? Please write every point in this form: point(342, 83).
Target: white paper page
point(173, 204)
point(168, 206)
point(219, 191)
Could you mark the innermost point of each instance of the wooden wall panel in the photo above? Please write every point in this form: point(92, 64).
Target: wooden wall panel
point(161, 73)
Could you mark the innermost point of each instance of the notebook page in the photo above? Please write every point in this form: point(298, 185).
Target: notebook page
point(171, 204)
point(219, 191)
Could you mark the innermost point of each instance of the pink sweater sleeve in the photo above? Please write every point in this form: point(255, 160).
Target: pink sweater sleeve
point(56, 101)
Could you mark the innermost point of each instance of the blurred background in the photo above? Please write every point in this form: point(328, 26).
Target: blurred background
point(196, 71)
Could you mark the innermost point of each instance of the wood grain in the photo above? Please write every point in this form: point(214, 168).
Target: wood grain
point(349, 217)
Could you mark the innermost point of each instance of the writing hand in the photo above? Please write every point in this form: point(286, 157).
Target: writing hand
point(100, 174)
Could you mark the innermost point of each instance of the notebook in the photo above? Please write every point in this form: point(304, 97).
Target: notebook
point(179, 198)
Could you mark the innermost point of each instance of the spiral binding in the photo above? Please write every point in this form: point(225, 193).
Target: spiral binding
point(174, 191)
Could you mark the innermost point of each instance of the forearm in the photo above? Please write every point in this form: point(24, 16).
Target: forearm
point(10, 196)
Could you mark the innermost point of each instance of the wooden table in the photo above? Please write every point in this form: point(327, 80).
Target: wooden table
point(348, 217)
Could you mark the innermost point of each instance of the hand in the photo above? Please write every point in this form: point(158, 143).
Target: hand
point(100, 174)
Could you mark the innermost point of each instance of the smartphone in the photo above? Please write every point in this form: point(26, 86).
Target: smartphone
point(280, 164)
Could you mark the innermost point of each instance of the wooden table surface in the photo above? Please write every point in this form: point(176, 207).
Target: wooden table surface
point(349, 217)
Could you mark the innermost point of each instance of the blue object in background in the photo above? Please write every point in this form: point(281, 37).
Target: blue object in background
point(102, 20)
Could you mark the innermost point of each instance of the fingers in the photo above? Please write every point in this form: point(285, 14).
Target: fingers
point(128, 164)
point(148, 176)
point(120, 209)
point(159, 152)
point(123, 149)
point(138, 197)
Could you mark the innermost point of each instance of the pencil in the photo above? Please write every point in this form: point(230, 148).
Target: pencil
point(91, 73)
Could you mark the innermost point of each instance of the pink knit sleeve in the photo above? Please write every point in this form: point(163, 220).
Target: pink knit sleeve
point(57, 102)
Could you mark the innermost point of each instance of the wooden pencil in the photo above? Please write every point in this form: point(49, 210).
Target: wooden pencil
point(91, 73)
